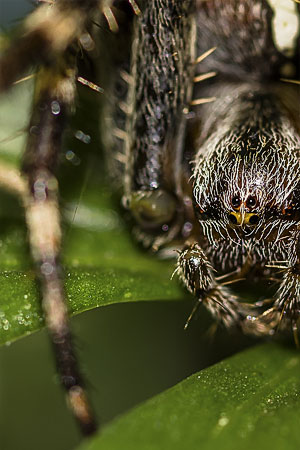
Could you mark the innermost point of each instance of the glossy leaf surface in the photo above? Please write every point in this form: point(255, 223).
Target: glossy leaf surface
point(251, 400)
point(103, 264)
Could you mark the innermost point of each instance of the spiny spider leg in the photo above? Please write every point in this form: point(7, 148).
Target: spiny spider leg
point(287, 299)
point(196, 273)
point(159, 93)
point(38, 190)
point(54, 99)
point(49, 38)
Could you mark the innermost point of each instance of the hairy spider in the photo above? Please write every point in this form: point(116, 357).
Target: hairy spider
point(205, 149)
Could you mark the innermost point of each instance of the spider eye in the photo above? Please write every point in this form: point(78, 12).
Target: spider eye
point(236, 201)
point(251, 202)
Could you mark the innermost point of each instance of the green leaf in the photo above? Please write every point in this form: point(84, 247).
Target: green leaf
point(251, 400)
point(103, 265)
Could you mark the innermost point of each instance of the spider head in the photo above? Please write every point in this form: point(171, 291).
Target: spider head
point(248, 194)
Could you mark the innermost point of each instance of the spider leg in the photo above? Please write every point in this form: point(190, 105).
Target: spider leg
point(287, 301)
point(284, 311)
point(159, 92)
point(53, 102)
point(197, 274)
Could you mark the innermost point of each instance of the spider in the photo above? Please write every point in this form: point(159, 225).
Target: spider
point(204, 148)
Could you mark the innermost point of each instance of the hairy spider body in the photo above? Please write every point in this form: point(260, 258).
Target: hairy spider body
point(238, 152)
point(206, 150)
point(246, 165)
point(246, 189)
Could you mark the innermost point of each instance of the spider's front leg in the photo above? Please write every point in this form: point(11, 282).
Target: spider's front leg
point(198, 275)
point(160, 90)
